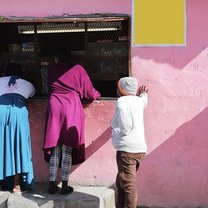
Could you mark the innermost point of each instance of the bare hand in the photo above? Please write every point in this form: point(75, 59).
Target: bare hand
point(142, 89)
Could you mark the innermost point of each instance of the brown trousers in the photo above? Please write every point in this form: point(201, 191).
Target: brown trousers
point(126, 180)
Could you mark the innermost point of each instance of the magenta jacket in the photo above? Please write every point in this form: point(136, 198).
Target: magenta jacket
point(65, 121)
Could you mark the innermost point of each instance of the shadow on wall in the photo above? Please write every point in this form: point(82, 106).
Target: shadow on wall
point(196, 39)
point(175, 173)
point(96, 145)
point(37, 123)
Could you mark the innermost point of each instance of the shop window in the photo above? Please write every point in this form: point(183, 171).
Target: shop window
point(100, 43)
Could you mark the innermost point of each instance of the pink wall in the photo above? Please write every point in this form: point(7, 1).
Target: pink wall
point(174, 172)
point(40, 8)
point(99, 167)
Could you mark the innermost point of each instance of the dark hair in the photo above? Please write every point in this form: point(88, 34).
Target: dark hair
point(13, 69)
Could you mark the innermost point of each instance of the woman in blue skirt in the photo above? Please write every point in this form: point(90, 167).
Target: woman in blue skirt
point(15, 142)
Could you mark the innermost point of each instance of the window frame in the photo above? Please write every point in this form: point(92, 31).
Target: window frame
point(76, 19)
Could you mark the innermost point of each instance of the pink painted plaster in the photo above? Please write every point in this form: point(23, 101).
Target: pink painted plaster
point(40, 8)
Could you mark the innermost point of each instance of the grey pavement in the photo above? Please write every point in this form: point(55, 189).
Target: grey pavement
point(82, 197)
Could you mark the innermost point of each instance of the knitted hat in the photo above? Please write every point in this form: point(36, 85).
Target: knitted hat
point(128, 85)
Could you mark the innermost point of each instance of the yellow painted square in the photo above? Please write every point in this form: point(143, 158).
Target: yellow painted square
point(158, 22)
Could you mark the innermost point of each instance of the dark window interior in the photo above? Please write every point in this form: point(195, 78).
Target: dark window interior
point(100, 45)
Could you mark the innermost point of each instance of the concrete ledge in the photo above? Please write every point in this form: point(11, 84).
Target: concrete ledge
point(82, 197)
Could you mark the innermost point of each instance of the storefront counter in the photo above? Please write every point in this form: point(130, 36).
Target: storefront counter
point(98, 134)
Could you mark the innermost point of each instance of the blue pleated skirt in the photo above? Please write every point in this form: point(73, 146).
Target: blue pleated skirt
point(15, 141)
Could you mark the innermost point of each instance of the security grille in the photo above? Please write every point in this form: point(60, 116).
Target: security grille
point(99, 43)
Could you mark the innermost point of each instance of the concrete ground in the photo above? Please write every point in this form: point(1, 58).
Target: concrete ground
point(82, 197)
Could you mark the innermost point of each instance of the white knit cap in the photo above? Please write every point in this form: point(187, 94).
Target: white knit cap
point(128, 85)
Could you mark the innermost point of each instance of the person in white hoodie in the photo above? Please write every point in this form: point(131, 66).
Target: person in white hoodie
point(128, 138)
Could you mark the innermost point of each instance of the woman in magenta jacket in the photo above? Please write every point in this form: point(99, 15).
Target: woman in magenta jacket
point(65, 124)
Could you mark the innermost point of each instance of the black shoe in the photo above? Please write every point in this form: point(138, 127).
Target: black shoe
point(52, 188)
point(67, 190)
